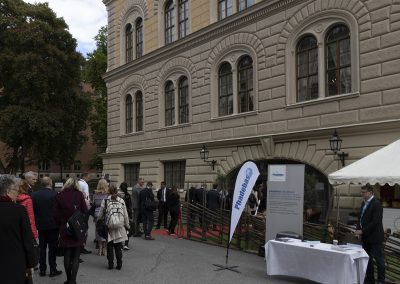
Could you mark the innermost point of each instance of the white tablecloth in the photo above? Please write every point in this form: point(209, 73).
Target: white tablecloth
point(317, 262)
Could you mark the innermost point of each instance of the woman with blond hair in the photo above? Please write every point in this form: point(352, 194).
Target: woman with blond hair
point(113, 211)
point(66, 203)
point(100, 194)
point(25, 200)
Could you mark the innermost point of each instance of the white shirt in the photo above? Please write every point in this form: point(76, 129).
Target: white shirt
point(85, 190)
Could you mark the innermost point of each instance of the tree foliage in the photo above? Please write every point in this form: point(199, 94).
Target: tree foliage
point(95, 68)
point(42, 109)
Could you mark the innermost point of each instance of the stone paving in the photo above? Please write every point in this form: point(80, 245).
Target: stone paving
point(170, 260)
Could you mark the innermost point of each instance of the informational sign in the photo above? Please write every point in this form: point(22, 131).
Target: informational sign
point(285, 200)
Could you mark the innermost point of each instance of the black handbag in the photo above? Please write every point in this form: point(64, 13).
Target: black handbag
point(77, 226)
point(101, 226)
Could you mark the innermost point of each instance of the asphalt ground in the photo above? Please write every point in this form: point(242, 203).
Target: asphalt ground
point(169, 260)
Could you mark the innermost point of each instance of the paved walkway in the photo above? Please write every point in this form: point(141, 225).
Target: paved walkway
point(170, 260)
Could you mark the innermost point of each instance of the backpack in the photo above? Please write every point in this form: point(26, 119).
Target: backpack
point(115, 218)
point(77, 226)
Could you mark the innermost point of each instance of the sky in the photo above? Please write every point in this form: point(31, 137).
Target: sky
point(84, 18)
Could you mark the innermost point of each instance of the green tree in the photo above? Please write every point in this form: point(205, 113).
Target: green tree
point(42, 109)
point(95, 68)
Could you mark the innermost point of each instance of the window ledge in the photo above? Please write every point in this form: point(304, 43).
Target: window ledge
point(131, 134)
point(235, 115)
point(323, 100)
point(175, 126)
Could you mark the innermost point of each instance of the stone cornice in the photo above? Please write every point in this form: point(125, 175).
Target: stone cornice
point(253, 14)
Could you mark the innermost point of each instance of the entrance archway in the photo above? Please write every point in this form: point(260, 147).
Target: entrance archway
point(317, 190)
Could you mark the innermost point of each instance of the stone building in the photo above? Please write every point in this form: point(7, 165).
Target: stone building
point(263, 80)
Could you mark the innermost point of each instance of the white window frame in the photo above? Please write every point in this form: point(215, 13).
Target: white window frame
point(233, 59)
point(174, 77)
point(161, 21)
point(131, 19)
point(132, 92)
point(319, 27)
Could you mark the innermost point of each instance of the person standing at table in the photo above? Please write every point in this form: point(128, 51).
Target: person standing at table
point(370, 229)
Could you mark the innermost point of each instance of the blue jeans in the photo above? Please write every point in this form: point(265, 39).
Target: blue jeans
point(375, 252)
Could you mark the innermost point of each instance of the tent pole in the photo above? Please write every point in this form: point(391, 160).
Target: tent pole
point(337, 212)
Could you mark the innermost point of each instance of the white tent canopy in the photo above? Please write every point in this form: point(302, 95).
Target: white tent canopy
point(382, 166)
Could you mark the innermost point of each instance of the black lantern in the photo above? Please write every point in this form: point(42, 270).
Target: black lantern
point(336, 144)
point(204, 156)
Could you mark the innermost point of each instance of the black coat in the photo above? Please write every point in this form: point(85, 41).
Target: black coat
point(213, 201)
point(144, 194)
point(159, 192)
point(189, 197)
point(16, 243)
point(199, 195)
point(43, 203)
point(371, 223)
point(173, 203)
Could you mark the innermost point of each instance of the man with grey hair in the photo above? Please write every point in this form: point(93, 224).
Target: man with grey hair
point(17, 255)
point(43, 201)
point(31, 179)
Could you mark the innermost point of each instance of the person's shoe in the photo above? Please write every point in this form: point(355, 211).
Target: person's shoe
point(42, 273)
point(158, 227)
point(137, 235)
point(149, 238)
point(55, 273)
point(85, 251)
point(119, 267)
point(81, 260)
point(111, 266)
point(173, 235)
point(126, 248)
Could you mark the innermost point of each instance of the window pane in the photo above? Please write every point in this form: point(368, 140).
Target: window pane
point(332, 56)
point(313, 61)
point(174, 174)
point(131, 174)
point(344, 47)
point(345, 80)
point(139, 38)
point(302, 60)
point(313, 86)
point(225, 89)
point(302, 89)
point(332, 82)
point(129, 114)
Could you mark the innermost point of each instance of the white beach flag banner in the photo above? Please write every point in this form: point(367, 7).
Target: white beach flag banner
point(245, 181)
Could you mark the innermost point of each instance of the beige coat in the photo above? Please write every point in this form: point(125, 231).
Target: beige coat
point(116, 235)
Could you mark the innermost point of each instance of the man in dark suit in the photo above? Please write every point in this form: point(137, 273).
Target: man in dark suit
point(43, 201)
point(213, 202)
point(162, 196)
point(370, 229)
point(200, 200)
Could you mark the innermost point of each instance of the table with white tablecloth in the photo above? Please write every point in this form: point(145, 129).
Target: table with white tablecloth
point(316, 261)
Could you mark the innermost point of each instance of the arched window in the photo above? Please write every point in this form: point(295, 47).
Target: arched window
point(128, 43)
point(183, 99)
point(139, 37)
point(225, 8)
point(225, 89)
point(338, 61)
point(244, 4)
point(129, 114)
point(169, 104)
point(245, 84)
point(169, 22)
point(139, 111)
point(183, 21)
point(307, 69)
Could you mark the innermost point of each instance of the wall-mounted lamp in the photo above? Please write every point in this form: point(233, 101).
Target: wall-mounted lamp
point(204, 156)
point(336, 144)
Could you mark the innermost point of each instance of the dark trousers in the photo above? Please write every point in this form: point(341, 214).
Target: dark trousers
point(162, 214)
point(48, 238)
point(118, 253)
point(148, 222)
point(174, 221)
point(136, 220)
point(71, 263)
point(375, 252)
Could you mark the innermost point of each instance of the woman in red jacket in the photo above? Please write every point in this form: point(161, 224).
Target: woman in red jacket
point(25, 200)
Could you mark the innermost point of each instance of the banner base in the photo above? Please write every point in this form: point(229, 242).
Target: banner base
point(226, 267)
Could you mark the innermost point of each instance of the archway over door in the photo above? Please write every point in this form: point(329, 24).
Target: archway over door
point(317, 190)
